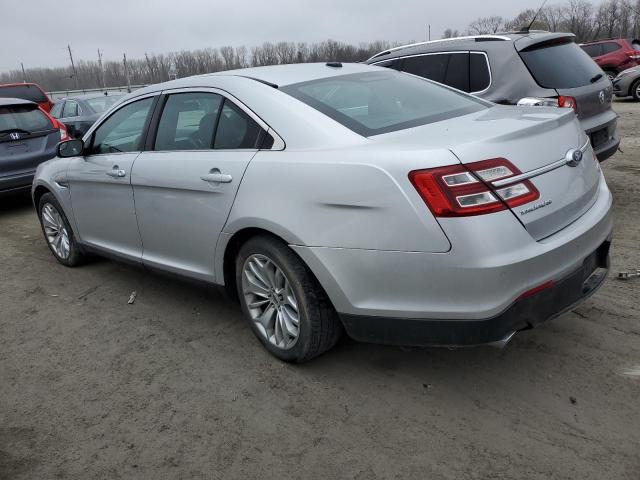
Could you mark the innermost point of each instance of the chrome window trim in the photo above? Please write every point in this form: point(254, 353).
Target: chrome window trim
point(470, 52)
point(278, 142)
point(538, 171)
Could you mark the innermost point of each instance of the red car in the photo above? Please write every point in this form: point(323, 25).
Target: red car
point(614, 55)
point(27, 91)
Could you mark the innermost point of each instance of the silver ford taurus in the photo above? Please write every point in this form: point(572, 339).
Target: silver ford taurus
point(331, 197)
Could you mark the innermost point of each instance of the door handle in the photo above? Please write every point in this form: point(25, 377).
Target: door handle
point(116, 172)
point(217, 178)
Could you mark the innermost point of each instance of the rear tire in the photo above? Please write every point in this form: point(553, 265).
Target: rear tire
point(57, 232)
point(283, 302)
point(635, 90)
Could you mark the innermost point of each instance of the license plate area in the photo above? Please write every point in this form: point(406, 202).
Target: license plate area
point(599, 137)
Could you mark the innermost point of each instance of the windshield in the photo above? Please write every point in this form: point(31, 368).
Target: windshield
point(26, 118)
point(379, 102)
point(25, 92)
point(563, 65)
point(100, 104)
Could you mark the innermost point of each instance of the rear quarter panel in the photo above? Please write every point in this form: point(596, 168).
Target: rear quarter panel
point(341, 198)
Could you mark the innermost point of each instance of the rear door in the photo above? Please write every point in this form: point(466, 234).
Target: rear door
point(70, 116)
point(27, 138)
point(100, 182)
point(186, 183)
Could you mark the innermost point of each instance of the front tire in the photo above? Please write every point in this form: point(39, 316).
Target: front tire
point(635, 90)
point(285, 305)
point(57, 231)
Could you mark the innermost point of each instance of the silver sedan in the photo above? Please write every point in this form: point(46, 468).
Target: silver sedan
point(331, 197)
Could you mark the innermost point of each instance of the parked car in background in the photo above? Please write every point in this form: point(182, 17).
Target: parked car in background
point(534, 68)
point(27, 91)
point(28, 137)
point(627, 83)
point(614, 55)
point(79, 113)
point(338, 195)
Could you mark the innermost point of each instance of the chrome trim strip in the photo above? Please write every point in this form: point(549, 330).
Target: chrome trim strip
point(537, 171)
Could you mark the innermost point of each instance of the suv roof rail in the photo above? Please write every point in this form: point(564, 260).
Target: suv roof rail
point(477, 38)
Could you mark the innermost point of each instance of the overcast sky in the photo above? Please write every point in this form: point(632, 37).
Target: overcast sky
point(36, 32)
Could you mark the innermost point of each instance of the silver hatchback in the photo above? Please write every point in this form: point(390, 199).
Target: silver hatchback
point(331, 197)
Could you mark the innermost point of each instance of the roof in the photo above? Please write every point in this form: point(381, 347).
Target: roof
point(281, 75)
point(273, 75)
point(88, 96)
point(523, 39)
point(8, 102)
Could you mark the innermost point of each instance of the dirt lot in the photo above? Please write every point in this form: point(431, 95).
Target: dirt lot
point(175, 385)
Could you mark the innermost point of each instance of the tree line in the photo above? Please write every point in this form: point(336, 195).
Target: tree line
point(154, 68)
point(608, 19)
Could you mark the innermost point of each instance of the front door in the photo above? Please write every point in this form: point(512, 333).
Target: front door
point(184, 188)
point(100, 182)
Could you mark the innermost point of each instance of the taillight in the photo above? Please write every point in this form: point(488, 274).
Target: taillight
point(633, 54)
point(567, 102)
point(464, 190)
point(64, 135)
point(561, 101)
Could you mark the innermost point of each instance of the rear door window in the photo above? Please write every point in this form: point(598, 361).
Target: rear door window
point(593, 50)
point(25, 92)
point(449, 68)
point(610, 47)
point(188, 121)
point(396, 64)
point(22, 118)
point(479, 75)
point(70, 109)
point(560, 65)
point(236, 130)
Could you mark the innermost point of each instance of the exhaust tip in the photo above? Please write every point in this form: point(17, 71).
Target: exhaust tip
point(500, 344)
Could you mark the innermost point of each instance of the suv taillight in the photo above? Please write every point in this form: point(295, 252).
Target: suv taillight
point(561, 101)
point(568, 102)
point(64, 135)
point(464, 190)
point(633, 54)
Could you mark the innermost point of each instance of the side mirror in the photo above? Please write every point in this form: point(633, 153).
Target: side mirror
point(70, 148)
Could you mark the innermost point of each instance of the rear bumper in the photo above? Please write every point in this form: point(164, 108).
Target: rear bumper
point(15, 183)
point(523, 314)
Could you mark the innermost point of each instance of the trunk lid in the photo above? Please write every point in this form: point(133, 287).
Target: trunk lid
point(536, 141)
point(27, 137)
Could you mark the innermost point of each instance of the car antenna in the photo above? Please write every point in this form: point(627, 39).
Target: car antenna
point(535, 17)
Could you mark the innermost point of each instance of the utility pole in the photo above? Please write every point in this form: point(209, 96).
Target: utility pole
point(126, 72)
point(429, 32)
point(24, 75)
point(101, 69)
point(151, 76)
point(73, 67)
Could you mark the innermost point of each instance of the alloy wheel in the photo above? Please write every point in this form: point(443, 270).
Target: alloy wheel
point(270, 300)
point(55, 231)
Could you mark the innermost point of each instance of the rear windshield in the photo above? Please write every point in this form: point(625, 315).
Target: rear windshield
point(26, 92)
point(100, 104)
point(563, 65)
point(379, 102)
point(26, 118)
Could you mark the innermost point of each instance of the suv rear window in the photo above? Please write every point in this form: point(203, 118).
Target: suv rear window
point(563, 65)
point(25, 92)
point(27, 118)
point(373, 103)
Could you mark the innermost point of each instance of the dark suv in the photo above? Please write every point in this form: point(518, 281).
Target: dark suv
point(614, 55)
point(522, 68)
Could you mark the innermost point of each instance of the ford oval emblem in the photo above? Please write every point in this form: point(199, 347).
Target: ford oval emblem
point(574, 157)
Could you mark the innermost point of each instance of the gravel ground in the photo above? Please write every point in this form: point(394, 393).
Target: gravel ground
point(175, 385)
